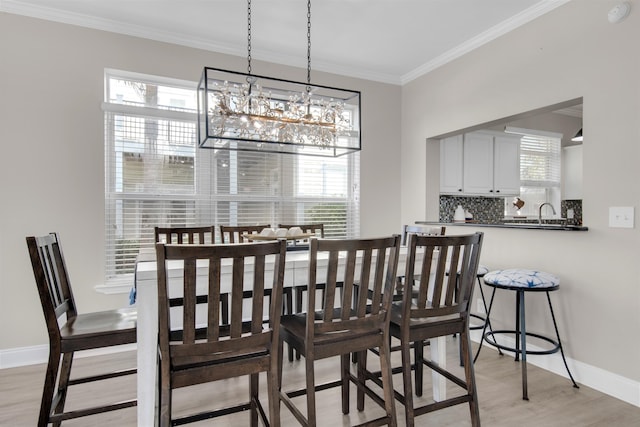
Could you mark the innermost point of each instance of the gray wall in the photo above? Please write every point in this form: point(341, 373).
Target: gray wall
point(52, 179)
point(571, 52)
point(52, 133)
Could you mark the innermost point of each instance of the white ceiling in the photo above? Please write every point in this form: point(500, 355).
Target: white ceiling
point(391, 41)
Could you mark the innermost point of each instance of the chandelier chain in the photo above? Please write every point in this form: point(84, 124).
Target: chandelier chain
point(248, 36)
point(309, 42)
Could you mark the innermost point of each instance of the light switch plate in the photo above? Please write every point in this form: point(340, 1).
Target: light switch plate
point(621, 217)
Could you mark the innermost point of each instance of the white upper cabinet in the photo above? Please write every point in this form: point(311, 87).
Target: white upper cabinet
point(506, 160)
point(451, 165)
point(480, 164)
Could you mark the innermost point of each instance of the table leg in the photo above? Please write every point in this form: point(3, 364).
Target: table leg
point(147, 333)
point(439, 356)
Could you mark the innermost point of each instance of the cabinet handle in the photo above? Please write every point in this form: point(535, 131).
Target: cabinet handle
point(459, 189)
point(497, 191)
point(490, 191)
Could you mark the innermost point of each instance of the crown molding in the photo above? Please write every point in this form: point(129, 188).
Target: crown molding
point(493, 33)
point(21, 8)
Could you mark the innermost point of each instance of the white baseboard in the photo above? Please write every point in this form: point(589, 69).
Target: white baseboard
point(606, 382)
point(23, 356)
point(598, 379)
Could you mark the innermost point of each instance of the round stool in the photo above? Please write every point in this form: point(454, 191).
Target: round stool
point(522, 281)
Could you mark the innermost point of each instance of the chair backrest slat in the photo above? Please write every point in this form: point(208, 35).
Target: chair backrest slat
point(189, 302)
point(214, 299)
point(435, 292)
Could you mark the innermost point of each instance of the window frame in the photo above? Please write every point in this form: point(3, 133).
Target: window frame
point(205, 184)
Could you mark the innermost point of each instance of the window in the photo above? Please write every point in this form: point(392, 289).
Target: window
point(539, 172)
point(156, 175)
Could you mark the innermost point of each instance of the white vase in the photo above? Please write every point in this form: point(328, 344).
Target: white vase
point(458, 216)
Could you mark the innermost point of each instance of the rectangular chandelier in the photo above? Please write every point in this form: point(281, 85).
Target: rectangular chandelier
point(247, 112)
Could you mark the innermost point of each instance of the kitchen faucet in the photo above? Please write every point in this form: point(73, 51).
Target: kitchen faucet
point(540, 211)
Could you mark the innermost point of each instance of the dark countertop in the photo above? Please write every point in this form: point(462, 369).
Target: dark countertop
point(521, 225)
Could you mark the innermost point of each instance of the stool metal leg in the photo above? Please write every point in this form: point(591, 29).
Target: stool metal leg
point(523, 338)
point(518, 323)
point(555, 326)
point(484, 328)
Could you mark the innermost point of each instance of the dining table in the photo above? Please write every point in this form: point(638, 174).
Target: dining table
point(146, 287)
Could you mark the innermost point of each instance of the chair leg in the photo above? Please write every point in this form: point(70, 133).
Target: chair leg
point(387, 381)
point(273, 387)
point(311, 391)
point(49, 387)
point(362, 378)
point(253, 398)
point(299, 290)
point(63, 384)
point(418, 349)
point(465, 341)
point(406, 380)
point(344, 369)
point(165, 395)
point(279, 367)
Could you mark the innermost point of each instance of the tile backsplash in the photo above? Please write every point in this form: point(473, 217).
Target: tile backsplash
point(487, 210)
point(490, 210)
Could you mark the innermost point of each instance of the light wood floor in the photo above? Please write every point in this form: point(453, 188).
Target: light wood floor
point(553, 400)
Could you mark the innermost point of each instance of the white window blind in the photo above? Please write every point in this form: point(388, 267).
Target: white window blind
point(540, 172)
point(156, 175)
point(539, 161)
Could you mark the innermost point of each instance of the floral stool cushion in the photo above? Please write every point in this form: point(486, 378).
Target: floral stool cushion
point(517, 278)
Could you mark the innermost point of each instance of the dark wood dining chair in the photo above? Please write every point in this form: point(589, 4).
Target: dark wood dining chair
point(70, 332)
point(206, 350)
point(234, 233)
point(355, 323)
point(185, 235)
point(439, 305)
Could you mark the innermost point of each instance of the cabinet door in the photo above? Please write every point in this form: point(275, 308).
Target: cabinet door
point(478, 164)
point(506, 162)
point(451, 165)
